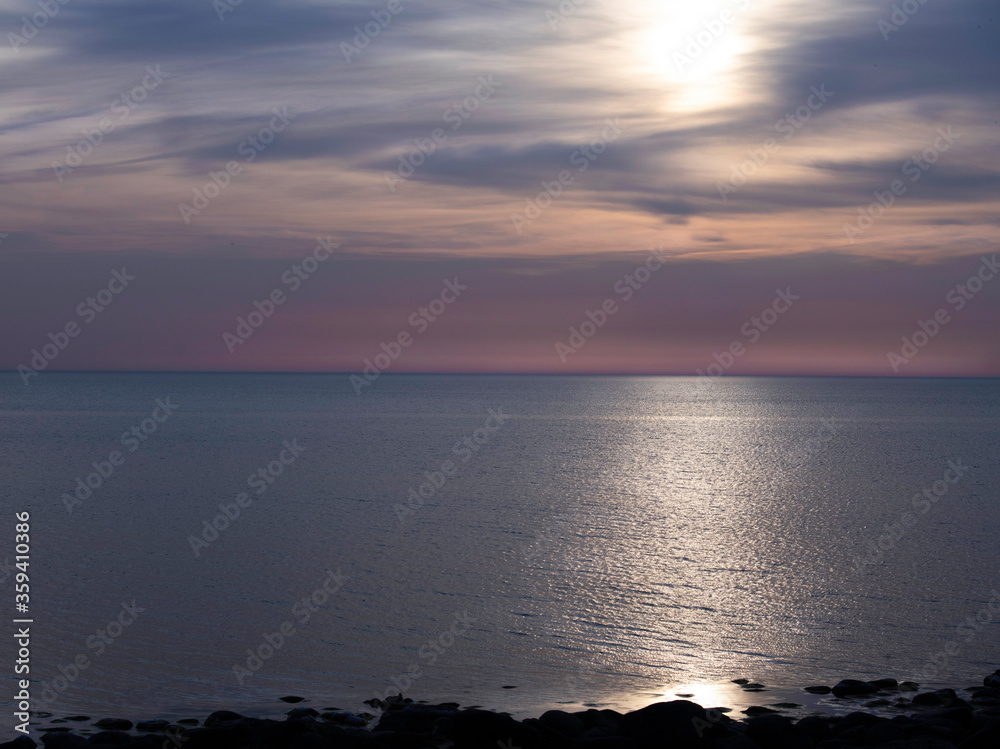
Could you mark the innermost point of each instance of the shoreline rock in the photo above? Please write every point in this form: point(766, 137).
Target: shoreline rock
point(933, 719)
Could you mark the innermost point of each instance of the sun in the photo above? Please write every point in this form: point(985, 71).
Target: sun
point(694, 51)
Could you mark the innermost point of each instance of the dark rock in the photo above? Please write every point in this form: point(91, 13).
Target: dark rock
point(410, 721)
point(508, 687)
point(853, 720)
point(759, 710)
point(219, 717)
point(653, 725)
point(78, 718)
point(64, 741)
point(819, 689)
point(853, 688)
point(563, 723)
point(961, 716)
point(935, 698)
point(769, 729)
point(988, 737)
point(993, 681)
point(114, 724)
point(882, 732)
point(21, 742)
point(604, 742)
point(152, 725)
point(885, 683)
point(189, 721)
point(604, 722)
point(472, 729)
point(813, 727)
point(111, 738)
point(302, 713)
point(344, 718)
point(909, 686)
point(741, 682)
point(785, 705)
point(292, 699)
point(880, 702)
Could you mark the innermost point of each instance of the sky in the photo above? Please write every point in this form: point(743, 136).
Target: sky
point(742, 187)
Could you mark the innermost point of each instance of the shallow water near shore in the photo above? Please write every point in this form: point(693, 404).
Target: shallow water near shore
point(614, 542)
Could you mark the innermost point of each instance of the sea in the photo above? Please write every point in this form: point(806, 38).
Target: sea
point(218, 541)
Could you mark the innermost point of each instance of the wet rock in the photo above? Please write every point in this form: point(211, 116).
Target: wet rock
point(987, 737)
point(600, 722)
point(291, 698)
point(152, 725)
point(78, 718)
point(741, 682)
point(64, 741)
point(769, 729)
point(652, 725)
point(885, 683)
point(111, 738)
point(114, 724)
point(814, 728)
point(219, 717)
point(189, 722)
point(472, 729)
point(881, 702)
point(344, 718)
point(563, 723)
point(302, 713)
point(819, 689)
point(853, 720)
point(605, 742)
point(993, 681)
point(785, 705)
point(935, 698)
point(909, 686)
point(883, 732)
point(759, 710)
point(21, 742)
point(853, 688)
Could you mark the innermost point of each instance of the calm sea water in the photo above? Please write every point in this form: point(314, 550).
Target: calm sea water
point(612, 540)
